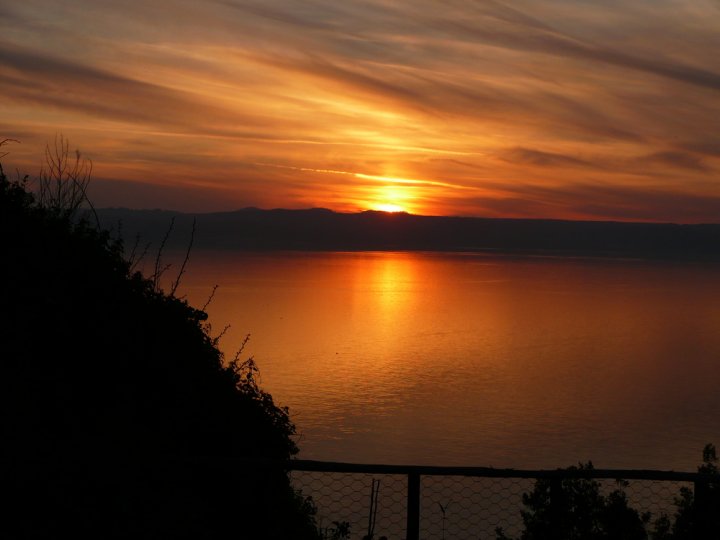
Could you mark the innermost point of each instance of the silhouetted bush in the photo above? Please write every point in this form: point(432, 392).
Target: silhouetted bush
point(120, 418)
point(574, 508)
point(698, 511)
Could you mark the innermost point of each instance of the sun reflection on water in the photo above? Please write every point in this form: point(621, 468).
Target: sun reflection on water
point(472, 359)
point(391, 277)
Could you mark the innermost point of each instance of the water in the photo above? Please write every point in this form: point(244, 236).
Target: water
point(466, 359)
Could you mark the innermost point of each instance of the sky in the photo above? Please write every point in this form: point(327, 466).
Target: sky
point(567, 109)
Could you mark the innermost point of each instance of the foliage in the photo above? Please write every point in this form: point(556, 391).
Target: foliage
point(572, 507)
point(698, 512)
point(120, 416)
point(340, 530)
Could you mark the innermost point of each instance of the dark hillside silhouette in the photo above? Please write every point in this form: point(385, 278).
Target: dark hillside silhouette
point(119, 417)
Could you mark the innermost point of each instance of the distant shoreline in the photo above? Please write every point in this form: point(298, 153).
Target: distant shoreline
point(325, 231)
point(520, 254)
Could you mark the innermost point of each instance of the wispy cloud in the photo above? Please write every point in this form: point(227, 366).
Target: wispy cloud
point(46, 80)
point(543, 159)
point(545, 109)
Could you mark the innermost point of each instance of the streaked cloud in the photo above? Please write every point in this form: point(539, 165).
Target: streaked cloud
point(534, 109)
point(544, 159)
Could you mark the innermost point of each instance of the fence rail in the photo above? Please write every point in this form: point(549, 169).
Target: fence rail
point(466, 502)
point(491, 472)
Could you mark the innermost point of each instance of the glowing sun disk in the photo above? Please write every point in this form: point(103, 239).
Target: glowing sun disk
point(391, 198)
point(388, 207)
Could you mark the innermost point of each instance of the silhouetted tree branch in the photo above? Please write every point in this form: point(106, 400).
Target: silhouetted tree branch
point(63, 180)
point(159, 269)
point(176, 283)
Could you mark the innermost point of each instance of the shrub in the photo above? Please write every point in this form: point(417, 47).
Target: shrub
point(575, 509)
point(120, 416)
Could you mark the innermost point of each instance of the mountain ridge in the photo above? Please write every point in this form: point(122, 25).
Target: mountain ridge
point(321, 229)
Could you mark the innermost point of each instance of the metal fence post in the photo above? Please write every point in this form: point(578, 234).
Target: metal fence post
point(413, 507)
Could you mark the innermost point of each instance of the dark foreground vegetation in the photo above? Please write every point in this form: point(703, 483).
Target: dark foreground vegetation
point(575, 507)
point(120, 417)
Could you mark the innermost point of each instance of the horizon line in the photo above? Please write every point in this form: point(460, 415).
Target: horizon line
point(404, 213)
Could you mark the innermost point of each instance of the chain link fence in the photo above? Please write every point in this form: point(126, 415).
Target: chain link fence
point(434, 503)
point(359, 503)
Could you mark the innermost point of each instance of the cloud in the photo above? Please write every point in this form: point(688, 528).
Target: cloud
point(688, 161)
point(530, 101)
point(541, 40)
point(44, 79)
point(597, 202)
point(543, 159)
point(680, 160)
point(708, 147)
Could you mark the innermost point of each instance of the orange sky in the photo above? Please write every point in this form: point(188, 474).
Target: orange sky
point(530, 108)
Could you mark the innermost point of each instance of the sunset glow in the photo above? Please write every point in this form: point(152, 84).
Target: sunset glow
point(393, 198)
point(387, 207)
point(530, 109)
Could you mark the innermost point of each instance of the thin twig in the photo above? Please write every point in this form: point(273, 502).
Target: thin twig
point(217, 339)
point(63, 184)
point(242, 348)
point(176, 283)
point(134, 262)
point(4, 142)
point(158, 258)
point(212, 295)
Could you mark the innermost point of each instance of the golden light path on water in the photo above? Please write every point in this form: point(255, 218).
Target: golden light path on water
point(461, 359)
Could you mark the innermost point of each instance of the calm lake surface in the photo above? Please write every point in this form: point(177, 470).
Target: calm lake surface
point(471, 359)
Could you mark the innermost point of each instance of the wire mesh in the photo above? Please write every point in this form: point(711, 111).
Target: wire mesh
point(354, 502)
point(470, 507)
point(655, 497)
point(452, 507)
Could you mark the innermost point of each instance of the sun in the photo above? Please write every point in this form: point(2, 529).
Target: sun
point(391, 198)
point(388, 207)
